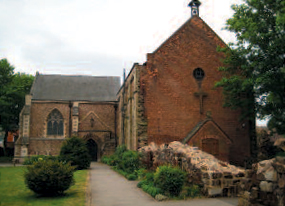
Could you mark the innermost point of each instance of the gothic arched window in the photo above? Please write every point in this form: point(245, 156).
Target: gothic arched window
point(55, 123)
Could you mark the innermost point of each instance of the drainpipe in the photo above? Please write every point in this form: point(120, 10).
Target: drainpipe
point(70, 123)
point(123, 109)
point(116, 140)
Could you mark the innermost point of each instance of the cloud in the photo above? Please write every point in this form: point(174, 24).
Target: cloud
point(94, 37)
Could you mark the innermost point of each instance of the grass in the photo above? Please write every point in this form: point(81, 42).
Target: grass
point(13, 191)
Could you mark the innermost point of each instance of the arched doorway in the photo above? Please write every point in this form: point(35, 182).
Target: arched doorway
point(93, 149)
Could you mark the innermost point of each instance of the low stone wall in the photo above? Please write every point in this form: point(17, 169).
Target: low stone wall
point(215, 176)
point(266, 184)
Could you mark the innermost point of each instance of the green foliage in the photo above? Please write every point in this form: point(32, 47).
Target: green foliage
point(131, 177)
point(141, 183)
point(74, 150)
point(141, 173)
point(13, 88)
point(151, 189)
point(125, 162)
point(120, 151)
point(13, 190)
point(48, 177)
point(193, 191)
point(31, 160)
point(254, 75)
point(130, 161)
point(6, 159)
point(169, 179)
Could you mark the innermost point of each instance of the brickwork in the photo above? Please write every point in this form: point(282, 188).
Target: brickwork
point(170, 90)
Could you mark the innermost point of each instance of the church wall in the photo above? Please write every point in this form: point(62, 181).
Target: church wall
point(131, 104)
point(208, 131)
point(39, 142)
point(102, 130)
point(39, 115)
point(172, 108)
point(103, 115)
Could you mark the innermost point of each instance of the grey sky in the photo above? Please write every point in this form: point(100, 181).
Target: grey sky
point(95, 37)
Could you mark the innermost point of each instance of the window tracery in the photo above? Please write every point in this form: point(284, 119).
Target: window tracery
point(55, 123)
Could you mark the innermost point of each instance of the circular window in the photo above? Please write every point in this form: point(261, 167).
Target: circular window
point(199, 74)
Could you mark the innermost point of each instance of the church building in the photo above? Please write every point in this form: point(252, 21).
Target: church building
point(59, 107)
point(171, 97)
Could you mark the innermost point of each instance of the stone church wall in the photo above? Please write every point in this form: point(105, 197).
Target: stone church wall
point(172, 106)
point(39, 142)
point(132, 123)
point(102, 130)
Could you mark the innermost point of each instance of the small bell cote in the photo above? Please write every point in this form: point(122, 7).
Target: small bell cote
point(194, 4)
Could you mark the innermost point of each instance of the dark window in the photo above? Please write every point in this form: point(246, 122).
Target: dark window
point(199, 74)
point(55, 123)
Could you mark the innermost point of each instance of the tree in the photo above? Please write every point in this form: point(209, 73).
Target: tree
point(74, 150)
point(254, 75)
point(13, 88)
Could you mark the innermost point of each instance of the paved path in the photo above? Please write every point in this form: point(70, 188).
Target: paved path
point(9, 165)
point(108, 188)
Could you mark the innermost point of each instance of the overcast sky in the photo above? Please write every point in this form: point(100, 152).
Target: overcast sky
point(95, 37)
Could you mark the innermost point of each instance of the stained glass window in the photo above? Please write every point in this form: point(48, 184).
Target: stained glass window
point(55, 123)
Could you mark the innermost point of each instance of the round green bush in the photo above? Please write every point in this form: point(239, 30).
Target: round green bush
point(74, 150)
point(48, 177)
point(169, 179)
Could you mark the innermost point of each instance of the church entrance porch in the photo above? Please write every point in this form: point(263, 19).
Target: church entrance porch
point(93, 149)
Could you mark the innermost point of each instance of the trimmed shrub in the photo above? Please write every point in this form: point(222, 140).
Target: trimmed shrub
point(169, 179)
point(48, 177)
point(131, 177)
point(74, 150)
point(31, 160)
point(151, 189)
point(130, 161)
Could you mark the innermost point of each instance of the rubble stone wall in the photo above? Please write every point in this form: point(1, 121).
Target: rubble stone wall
point(265, 186)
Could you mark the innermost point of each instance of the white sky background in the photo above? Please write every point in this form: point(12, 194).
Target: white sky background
point(95, 37)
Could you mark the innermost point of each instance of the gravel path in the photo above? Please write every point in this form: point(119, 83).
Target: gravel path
point(108, 188)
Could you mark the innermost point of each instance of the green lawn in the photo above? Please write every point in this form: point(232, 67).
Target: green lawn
point(13, 190)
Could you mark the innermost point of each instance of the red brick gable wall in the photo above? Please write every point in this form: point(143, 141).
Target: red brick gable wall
point(172, 109)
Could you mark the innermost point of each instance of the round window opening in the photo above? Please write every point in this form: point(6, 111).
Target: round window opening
point(199, 74)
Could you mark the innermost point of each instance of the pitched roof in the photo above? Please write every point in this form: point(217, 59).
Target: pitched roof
point(75, 88)
point(191, 21)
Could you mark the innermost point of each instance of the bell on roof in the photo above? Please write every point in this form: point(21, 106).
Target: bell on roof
point(194, 4)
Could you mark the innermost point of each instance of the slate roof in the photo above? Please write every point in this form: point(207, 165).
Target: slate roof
point(75, 88)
